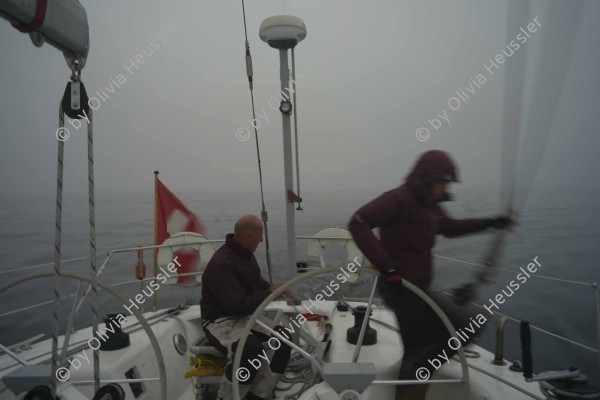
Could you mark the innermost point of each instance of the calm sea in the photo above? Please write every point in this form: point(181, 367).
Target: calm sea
point(561, 231)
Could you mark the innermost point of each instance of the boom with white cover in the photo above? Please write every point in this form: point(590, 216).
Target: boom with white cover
point(61, 23)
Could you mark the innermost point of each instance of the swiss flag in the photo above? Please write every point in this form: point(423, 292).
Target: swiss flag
point(173, 217)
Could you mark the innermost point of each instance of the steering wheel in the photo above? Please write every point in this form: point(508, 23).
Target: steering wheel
point(316, 360)
point(136, 313)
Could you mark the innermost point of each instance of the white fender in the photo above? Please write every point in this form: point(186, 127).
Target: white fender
point(186, 242)
point(327, 236)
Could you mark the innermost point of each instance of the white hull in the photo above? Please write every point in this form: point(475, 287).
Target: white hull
point(385, 355)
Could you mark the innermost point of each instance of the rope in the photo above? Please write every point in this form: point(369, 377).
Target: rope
point(94, 271)
point(57, 245)
point(301, 371)
point(263, 212)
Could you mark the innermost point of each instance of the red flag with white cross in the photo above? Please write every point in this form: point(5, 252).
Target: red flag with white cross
point(174, 217)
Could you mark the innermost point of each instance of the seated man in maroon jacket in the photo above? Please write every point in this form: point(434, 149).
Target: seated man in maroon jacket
point(409, 218)
point(232, 289)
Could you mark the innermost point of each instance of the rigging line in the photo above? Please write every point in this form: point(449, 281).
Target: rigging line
point(94, 270)
point(516, 272)
point(244, 15)
point(57, 253)
point(263, 212)
point(511, 127)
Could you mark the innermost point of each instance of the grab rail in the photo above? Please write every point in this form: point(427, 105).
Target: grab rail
point(109, 256)
point(110, 253)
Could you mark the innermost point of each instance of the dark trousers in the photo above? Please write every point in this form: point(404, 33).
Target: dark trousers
point(424, 335)
point(252, 348)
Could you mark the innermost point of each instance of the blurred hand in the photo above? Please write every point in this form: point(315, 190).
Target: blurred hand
point(464, 294)
point(277, 286)
point(501, 222)
point(286, 293)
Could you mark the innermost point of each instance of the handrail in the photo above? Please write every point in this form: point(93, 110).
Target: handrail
point(43, 303)
point(47, 264)
point(583, 346)
point(593, 285)
point(136, 249)
point(75, 294)
point(474, 264)
point(109, 255)
point(106, 253)
point(516, 272)
point(466, 263)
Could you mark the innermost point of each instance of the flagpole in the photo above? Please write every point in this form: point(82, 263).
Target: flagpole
point(155, 297)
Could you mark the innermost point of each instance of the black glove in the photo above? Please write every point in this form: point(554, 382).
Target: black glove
point(283, 332)
point(464, 294)
point(501, 222)
point(392, 276)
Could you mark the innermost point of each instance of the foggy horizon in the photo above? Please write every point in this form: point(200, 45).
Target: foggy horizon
point(360, 98)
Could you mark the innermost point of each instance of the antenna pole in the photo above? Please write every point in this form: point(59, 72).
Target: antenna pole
point(284, 32)
point(287, 159)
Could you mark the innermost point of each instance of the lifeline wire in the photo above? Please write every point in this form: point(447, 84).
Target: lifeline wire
point(263, 212)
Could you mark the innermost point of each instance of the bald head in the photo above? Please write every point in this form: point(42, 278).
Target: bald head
point(248, 231)
point(247, 224)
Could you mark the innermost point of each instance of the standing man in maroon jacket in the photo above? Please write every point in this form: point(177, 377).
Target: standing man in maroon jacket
point(232, 289)
point(409, 218)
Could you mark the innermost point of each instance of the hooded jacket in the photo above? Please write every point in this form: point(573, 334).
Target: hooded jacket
point(408, 222)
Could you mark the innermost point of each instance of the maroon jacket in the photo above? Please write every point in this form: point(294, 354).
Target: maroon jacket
point(408, 223)
point(232, 284)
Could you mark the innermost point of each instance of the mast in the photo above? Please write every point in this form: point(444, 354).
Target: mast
point(284, 32)
point(286, 122)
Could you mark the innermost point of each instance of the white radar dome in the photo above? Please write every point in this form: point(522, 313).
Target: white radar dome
point(282, 31)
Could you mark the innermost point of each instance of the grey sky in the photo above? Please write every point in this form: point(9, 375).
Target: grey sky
point(374, 73)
